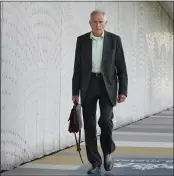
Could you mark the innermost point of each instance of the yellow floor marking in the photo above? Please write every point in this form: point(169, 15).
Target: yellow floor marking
point(153, 151)
point(61, 160)
point(126, 151)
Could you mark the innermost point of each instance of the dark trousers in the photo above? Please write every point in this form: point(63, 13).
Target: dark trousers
point(97, 91)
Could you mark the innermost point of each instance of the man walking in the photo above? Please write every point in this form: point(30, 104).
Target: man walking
point(99, 62)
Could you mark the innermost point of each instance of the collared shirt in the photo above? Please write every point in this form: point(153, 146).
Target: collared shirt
point(97, 51)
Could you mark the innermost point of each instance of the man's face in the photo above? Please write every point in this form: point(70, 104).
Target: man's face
point(97, 24)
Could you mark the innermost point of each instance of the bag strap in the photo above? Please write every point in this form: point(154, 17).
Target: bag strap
point(78, 144)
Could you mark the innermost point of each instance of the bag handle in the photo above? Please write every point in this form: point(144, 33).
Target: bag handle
point(78, 144)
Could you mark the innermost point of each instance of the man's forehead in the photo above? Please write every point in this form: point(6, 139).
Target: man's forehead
point(99, 17)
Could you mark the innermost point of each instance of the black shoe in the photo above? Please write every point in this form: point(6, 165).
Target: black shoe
point(108, 162)
point(94, 170)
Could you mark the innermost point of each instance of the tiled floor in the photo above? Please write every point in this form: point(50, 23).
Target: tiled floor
point(143, 148)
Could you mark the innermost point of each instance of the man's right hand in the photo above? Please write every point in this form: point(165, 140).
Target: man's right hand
point(75, 99)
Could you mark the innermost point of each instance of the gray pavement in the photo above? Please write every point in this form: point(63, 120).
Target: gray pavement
point(143, 148)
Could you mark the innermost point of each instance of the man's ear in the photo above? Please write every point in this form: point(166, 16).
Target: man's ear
point(106, 22)
point(90, 23)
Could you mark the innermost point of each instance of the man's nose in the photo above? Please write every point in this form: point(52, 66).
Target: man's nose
point(97, 24)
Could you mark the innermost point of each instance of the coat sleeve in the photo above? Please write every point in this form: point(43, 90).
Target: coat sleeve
point(121, 68)
point(77, 69)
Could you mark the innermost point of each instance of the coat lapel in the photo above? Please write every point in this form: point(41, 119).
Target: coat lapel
point(89, 51)
point(106, 44)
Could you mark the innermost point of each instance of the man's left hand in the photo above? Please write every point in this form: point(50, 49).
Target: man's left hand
point(121, 98)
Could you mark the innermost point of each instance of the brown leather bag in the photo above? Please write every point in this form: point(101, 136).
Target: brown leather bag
point(75, 125)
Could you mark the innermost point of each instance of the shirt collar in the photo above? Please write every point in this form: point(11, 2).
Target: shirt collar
point(94, 37)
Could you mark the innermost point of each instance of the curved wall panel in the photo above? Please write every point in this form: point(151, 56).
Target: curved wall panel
point(38, 43)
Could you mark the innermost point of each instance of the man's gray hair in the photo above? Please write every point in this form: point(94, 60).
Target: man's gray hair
point(98, 11)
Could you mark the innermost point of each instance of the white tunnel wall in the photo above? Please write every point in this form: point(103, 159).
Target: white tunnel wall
point(38, 44)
